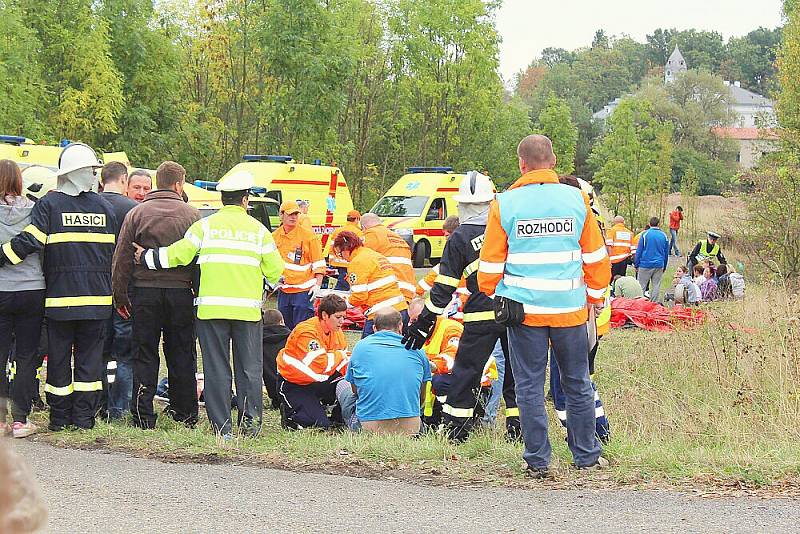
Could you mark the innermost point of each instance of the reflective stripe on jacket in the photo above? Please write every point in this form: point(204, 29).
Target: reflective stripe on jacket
point(373, 283)
point(395, 249)
point(313, 355)
point(543, 248)
point(301, 252)
point(235, 253)
point(76, 235)
point(619, 243)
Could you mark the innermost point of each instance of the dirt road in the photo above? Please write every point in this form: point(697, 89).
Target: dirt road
point(93, 491)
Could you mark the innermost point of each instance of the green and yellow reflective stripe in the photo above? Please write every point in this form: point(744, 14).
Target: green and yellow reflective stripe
point(447, 280)
point(80, 237)
point(61, 392)
point(512, 412)
point(10, 254)
point(88, 386)
point(63, 302)
point(472, 267)
point(40, 236)
point(479, 316)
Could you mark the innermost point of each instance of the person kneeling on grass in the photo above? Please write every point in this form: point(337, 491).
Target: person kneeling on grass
point(310, 366)
point(385, 382)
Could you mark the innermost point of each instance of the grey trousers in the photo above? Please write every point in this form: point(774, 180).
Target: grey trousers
point(216, 337)
point(529, 347)
point(652, 277)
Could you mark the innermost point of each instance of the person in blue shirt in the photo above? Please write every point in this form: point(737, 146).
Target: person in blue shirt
point(652, 255)
point(384, 387)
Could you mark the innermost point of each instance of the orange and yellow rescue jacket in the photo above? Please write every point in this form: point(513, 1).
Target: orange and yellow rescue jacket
point(301, 252)
point(373, 283)
point(333, 259)
point(396, 250)
point(313, 355)
point(618, 242)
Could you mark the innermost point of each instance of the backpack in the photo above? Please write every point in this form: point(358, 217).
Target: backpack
point(737, 285)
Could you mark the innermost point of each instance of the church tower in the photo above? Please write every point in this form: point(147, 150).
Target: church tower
point(675, 65)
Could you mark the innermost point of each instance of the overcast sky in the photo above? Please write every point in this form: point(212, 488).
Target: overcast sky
point(529, 26)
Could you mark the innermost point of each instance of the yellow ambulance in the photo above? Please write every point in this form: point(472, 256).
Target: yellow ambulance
point(417, 205)
point(282, 178)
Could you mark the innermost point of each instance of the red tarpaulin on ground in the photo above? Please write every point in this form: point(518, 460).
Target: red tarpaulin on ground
point(652, 316)
point(354, 318)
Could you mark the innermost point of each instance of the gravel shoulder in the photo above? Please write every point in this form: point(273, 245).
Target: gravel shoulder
point(96, 491)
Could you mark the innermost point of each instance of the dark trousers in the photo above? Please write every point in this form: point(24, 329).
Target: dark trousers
point(217, 337)
point(118, 378)
point(270, 375)
point(302, 406)
point(602, 429)
point(619, 268)
point(369, 325)
point(169, 311)
point(74, 371)
point(440, 386)
point(341, 280)
point(295, 308)
point(461, 407)
point(21, 317)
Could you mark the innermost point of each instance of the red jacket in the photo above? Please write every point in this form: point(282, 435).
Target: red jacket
point(675, 218)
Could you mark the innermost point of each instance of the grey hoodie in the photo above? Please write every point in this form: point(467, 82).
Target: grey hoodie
point(15, 215)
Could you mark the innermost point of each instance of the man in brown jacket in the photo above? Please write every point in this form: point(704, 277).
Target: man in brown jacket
point(162, 301)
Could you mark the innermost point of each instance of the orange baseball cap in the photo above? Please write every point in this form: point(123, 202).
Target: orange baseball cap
point(289, 207)
point(353, 214)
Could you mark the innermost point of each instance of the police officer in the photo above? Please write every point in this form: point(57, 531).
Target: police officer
point(76, 228)
point(235, 253)
point(460, 258)
point(706, 249)
point(545, 261)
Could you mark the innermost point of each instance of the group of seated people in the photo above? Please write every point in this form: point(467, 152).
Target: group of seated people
point(379, 386)
point(704, 283)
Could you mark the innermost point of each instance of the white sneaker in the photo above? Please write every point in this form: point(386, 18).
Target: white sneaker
point(23, 430)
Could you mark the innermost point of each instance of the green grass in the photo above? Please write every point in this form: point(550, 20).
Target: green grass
point(717, 405)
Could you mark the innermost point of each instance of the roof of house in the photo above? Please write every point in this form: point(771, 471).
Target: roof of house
point(743, 97)
point(746, 134)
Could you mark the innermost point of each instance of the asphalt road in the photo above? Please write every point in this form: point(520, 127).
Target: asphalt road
point(93, 491)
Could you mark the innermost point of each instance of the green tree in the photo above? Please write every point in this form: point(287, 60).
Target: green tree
point(626, 158)
point(555, 122)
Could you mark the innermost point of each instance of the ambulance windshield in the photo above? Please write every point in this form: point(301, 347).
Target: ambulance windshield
point(400, 206)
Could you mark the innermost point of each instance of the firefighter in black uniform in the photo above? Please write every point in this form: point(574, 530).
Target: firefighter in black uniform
point(460, 258)
point(75, 227)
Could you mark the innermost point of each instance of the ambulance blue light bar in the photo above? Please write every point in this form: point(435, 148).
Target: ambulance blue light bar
point(417, 170)
point(212, 186)
point(267, 157)
point(12, 139)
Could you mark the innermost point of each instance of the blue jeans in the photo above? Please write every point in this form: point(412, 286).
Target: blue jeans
point(560, 402)
point(673, 242)
point(347, 403)
point(121, 389)
point(529, 347)
point(369, 325)
point(497, 386)
point(295, 308)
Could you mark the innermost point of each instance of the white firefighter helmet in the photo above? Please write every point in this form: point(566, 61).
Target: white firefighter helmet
point(77, 167)
point(76, 156)
point(238, 181)
point(475, 188)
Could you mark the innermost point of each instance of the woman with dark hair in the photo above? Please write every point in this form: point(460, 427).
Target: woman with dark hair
point(21, 305)
point(372, 280)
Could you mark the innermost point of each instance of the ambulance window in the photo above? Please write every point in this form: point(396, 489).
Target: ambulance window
point(400, 206)
point(437, 211)
point(275, 194)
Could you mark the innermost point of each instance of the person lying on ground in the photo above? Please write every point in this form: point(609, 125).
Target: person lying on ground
point(385, 383)
point(627, 287)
